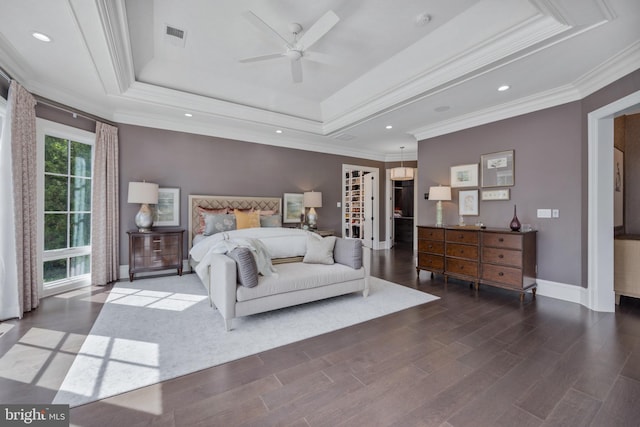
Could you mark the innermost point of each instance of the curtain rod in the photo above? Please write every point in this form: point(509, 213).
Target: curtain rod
point(73, 111)
point(5, 75)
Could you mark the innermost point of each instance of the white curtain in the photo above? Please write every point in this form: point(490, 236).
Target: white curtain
point(104, 207)
point(9, 305)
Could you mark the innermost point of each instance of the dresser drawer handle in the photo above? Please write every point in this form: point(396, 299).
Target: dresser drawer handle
point(500, 239)
point(157, 241)
point(157, 250)
point(500, 256)
point(501, 274)
point(430, 246)
point(462, 236)
point(461, 251)
point(462, 267)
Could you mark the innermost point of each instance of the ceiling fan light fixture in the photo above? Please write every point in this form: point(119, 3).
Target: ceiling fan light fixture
point(293, 54)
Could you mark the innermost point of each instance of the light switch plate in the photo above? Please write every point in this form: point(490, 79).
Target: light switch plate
point(544, 213)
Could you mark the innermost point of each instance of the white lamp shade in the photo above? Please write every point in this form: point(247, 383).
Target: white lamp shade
point(440, 193)
point(313, 199)
point(143, 192)
point(401, 174)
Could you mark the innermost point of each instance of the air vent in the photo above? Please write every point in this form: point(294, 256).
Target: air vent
point(174, 36)
point(344, 137)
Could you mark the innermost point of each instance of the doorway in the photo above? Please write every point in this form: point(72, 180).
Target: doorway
point(600, 295)
point(360, 204)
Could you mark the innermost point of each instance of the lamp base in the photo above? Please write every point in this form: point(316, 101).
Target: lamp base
point(312, 218)
point(144, 218)
point(439, 214)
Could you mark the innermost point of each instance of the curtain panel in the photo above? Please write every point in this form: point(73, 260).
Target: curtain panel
point(104, 207)
point(23, 164)
point(9, 296)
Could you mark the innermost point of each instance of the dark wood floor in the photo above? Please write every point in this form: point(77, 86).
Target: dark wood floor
point(468, 359)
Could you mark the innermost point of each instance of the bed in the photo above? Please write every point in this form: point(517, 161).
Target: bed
point(297, 268)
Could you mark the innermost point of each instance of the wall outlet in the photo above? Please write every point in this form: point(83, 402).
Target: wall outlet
point(555, 213)
point(339, 205)
point(544, 213)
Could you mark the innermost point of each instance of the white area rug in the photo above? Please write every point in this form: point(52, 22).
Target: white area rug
point(155, 329)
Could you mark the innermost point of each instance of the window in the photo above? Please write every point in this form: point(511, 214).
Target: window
point(66, 169)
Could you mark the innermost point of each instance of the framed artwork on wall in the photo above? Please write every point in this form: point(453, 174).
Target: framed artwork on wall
point(167, 211)
point(497, 169)
point(468, 202)
point(501, 194)
point(293, 207)
point(464, 175)
point(618, 187)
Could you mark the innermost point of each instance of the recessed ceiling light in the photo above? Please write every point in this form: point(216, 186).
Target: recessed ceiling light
point(503, 88)
point(188, 115)
point(388, 127)
point(278, 131)
point(41, 36)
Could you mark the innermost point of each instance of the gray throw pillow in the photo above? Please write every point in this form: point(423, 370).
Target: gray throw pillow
point(246, 266)
point(348, 252)
point(319, 250)
point(216, 223)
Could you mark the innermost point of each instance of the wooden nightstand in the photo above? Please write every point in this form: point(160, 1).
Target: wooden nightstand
point(324, 233)
point(159, 249)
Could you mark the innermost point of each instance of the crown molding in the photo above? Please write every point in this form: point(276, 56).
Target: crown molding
point(616, 67)
point(499, 49)
point(186, 102)
point(242, 133)
point(113, 20)
point(518, 107)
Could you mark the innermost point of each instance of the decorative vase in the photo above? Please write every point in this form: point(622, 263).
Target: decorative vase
point(515, 222)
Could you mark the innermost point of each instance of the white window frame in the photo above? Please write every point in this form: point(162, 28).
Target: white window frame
point(43, 128)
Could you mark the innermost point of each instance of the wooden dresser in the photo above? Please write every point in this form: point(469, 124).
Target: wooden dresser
point(159, 249)
point(496, 257)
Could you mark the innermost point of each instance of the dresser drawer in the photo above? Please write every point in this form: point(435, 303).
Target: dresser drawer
point(502, 240)
point(151, 245)
point(431, 233)
point(462, 251)
point(462, 236)
point(431, 262)
point(461, 266)
point(431, 246)
point(505, 275)
point(501, 256)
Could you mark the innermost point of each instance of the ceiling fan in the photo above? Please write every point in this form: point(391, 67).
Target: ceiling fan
point(296, 48)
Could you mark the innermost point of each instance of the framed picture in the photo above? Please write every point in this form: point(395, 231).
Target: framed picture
point(293, 207)
point(497, 169)
point(468, 202)
point(618, 187)
point(464, 175)
point(167, 211)
point(501, 194)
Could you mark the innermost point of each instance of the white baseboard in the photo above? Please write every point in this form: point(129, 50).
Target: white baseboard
point(562, 291)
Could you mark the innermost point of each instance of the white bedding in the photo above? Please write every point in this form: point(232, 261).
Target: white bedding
point(277, 242)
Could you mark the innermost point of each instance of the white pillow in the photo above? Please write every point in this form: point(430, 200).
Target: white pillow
point(320, 251)
point(285, 246)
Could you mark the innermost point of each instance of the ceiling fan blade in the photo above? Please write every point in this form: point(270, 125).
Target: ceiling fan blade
point(320, 58)
point(264, 27)
point(318, 30)
point(262, 58)
point(296, 70)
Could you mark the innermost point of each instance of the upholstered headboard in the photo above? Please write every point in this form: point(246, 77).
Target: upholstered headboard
point(231, 202)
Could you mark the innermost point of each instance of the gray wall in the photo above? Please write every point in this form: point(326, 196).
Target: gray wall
point(551, 171)
point(632, 173)
point(547, 175)
point(207, 165)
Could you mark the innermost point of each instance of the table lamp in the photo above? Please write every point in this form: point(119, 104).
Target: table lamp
point(439, 193)
point(145, 193)
point(312, 200)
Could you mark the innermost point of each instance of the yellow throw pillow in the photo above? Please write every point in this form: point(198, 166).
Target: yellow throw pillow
point(247, 219)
